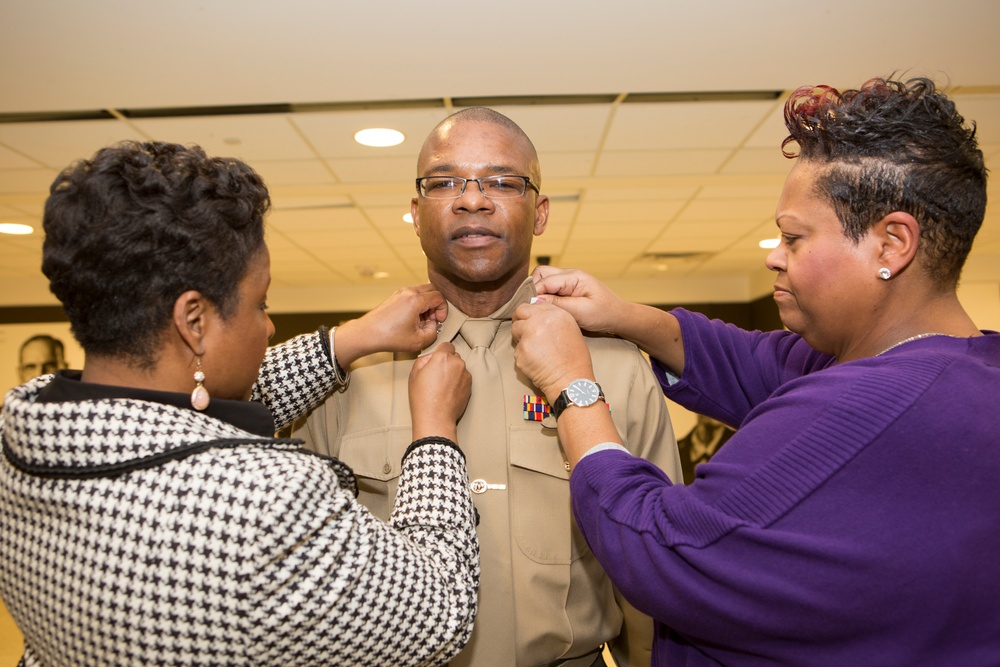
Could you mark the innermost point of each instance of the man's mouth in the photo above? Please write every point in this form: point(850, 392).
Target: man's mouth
point(473, 234)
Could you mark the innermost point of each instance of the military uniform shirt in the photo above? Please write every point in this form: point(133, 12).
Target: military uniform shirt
point(543, 595)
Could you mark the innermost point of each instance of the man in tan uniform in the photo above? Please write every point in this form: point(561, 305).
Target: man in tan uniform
point(544, 600)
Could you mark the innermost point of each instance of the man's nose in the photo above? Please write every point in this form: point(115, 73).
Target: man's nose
point(473, 198)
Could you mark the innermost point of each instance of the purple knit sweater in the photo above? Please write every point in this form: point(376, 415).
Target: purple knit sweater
point(853, 519)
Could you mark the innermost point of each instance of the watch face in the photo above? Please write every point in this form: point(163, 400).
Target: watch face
point(582, 392)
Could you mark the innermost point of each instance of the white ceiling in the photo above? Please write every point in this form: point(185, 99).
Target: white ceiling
point(628, 177)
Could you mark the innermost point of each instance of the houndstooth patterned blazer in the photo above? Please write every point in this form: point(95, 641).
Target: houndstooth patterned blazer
point(138, 533)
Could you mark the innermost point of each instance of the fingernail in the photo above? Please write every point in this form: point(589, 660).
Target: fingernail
point(536, 299)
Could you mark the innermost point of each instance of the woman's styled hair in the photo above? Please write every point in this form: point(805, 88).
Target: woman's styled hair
point(895, 146)
point(137, 225)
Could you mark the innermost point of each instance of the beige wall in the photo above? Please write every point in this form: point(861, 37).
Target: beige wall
point(11, 643)
point(982, 302)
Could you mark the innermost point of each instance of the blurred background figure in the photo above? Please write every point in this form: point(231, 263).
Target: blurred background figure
point(40, 355)
point(701, 443)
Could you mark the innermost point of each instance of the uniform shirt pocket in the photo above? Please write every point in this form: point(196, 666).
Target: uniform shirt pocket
point(541, 517)
point(376, 457)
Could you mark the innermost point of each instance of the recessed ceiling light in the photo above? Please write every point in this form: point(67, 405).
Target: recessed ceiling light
point(407, 218)
point(15, 228)
point(769, 243)
point(379, 137)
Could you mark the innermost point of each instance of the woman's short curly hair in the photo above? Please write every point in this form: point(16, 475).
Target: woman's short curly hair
point(895, 146)
point(137, 225)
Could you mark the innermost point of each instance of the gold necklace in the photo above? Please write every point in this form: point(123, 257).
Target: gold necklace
point(907, 340)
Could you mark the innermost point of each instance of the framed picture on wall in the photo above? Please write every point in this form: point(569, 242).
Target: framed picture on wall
point(31, 349)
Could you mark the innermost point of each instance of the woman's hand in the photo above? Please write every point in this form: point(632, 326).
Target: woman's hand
point(596, 308)
point(440, 387)
point(407, 321)
point(550, 348)
point(552, 352)
point(589, 301)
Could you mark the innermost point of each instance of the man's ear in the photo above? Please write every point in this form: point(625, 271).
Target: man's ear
point(413, 214)
point(898, 236)
point(191, 310)
point(541, 214)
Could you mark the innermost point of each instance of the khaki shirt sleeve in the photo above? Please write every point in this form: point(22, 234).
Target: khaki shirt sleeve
point(319, 428)
point(633, 647)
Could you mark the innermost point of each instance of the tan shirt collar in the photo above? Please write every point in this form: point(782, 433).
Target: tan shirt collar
point(456, 318)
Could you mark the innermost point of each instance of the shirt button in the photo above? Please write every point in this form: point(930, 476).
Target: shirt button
point(386, 469)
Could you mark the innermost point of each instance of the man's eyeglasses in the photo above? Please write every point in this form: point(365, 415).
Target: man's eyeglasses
point(494, 187)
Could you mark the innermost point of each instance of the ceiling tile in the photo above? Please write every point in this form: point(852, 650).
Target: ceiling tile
point(398, 170)
point(322, 241)
point(560, 128)
point(624, 178)
point(249, 138)
point(35, 181)
point(293, 172)
point(727, 209)
point(12, 160)
point(303, 220)
point(599, 194)
point(634, 231)
point(283, 200)
point(332, 133)
point(685, 125)
point(757, 161)
point(629, 211)
point(396, 197)
point(705, 229)
point(660, 162)
point(57, 144)
point(566, 165)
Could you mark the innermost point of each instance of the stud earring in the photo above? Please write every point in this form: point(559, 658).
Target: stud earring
point(884, 273)
point(199, 397)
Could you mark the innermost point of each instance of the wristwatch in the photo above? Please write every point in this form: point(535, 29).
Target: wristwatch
point(580, 392)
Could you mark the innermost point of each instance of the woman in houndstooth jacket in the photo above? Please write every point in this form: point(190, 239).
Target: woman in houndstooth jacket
point(148, 516)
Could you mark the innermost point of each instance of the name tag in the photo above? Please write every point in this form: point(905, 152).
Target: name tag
point(481, 486)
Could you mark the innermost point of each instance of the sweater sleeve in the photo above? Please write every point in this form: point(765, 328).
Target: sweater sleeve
point(295, 377)
point(644, 424)
point(728, 370)
point(334, 585)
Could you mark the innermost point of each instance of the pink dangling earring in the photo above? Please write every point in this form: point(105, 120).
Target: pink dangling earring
point(199, 397)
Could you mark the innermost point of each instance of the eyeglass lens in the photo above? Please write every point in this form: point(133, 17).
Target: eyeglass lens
point(494, 187)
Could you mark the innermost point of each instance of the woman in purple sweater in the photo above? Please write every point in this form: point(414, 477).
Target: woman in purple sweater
point(852, 518)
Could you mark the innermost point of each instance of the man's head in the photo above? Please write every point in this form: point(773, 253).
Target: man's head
point(895, 146)
point(40, 355)
point(479, 242)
